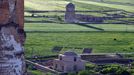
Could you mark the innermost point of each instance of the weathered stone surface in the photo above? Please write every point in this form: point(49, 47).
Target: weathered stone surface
point(71, 17)
point(20, 13)
point(11, 59)
point(4, 11)
point(12, 37)
point(89, 18)
point(12, 11)
point(70, 13)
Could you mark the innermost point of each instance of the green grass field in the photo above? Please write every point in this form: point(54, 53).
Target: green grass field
point(60, 4)
point(48, 30)
point(100, 42)
point(123, 7)
point(42, 37)
point(45, 4)
point(55, 27)
point(51, 27)
point(52, 35)
point(83, 5)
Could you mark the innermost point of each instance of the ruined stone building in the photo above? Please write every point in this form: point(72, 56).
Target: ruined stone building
point(72, 17)
point(70, 13)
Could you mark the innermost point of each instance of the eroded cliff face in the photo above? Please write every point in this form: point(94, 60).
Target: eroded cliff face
point(12, 37)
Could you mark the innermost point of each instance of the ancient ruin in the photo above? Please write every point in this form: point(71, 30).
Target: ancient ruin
point(72, 17)
point(12, 37)
point(70, 13)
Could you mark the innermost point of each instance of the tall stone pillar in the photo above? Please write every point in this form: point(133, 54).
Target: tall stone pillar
point(12, 37)
point(70, 13)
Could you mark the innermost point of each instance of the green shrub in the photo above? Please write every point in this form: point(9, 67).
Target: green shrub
point(115, 69)
point(90, 66)
point(123, 72)
point(109, 70)
point(85, 72)
point(72, 74)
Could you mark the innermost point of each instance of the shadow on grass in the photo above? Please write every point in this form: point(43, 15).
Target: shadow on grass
point(85, 25)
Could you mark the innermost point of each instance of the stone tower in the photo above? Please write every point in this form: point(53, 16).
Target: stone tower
point(70, 13)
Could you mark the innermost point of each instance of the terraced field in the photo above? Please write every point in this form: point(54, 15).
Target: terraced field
point(45, 4)
point(123, 7)
point(42, 43)
point(43, 37)
point(94, 4)
point(47, 30)
point(120, 2)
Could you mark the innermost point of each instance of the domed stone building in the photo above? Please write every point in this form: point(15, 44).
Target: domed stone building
point(69, 62)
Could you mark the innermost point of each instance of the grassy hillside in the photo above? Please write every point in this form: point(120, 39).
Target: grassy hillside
point(42, 43)
point(42, 37)
point(58, 5)
point(52, 27)
point(90, 5)
point(45, 4)
point(81, 4)
point(48, 30)
point(121, 2)
point(116, 6)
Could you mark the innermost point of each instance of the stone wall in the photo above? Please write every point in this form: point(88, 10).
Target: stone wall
point(71, 17)
point(88, 18)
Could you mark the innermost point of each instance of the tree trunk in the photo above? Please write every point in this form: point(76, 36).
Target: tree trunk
point(12, 37)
